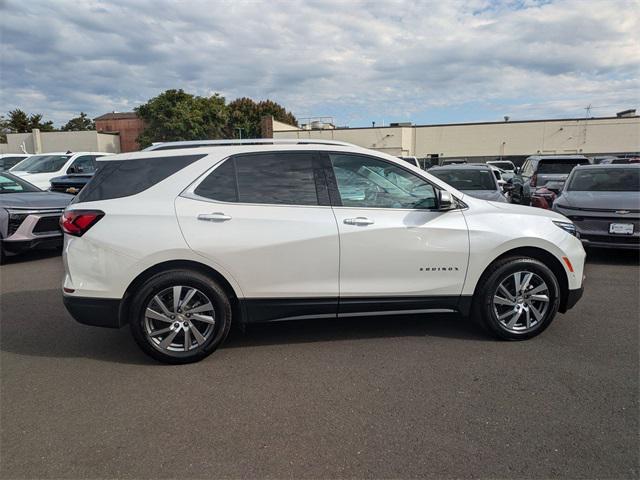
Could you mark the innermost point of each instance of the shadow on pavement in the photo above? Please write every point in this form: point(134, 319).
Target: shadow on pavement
point(33, 255)
point(45, 329)
point(610, 256)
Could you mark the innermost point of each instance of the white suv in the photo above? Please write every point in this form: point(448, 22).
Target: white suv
point(184, 239)
point(40, 169)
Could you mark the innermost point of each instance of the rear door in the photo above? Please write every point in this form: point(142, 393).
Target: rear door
point(397, 252)
point(265, 218)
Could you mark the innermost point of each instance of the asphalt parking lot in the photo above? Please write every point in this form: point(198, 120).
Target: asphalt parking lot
point(385, 397)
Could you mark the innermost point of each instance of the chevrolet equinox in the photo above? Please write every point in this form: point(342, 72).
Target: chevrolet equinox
point(183, 239)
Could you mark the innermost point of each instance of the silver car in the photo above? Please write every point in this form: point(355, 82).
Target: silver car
point(29, 217)
point(603, 201)
point(476, 180)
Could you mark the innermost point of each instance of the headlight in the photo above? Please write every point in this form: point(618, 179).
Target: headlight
point(567, 227)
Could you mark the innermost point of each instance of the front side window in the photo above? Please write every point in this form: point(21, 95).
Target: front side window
point(83, 164)
point(366, 182)
point(42, 164)
point(279, 178)
point(605, 180)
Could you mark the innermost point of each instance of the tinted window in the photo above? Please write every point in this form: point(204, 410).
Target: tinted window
point(368, 182)
point(606, 180)
point(122, 178)
point(463, 179)
point(558, 166)
point(220, 184)
point(280, 178)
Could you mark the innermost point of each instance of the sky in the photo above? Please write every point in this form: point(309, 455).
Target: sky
point(440, 61)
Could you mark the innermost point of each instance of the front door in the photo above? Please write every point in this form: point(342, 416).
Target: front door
point(397, 252)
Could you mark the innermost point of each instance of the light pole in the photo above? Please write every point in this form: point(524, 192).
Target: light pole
point(239, 133)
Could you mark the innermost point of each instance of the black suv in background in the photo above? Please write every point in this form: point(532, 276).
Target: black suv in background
point(549, 171)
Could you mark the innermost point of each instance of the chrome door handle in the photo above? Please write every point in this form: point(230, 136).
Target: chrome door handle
point(214, 217)
point(358, 221)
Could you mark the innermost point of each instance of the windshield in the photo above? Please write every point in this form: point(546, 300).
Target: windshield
point(559, 166)
point(606, 180)
point(504, 165)
point(467, 179)
point(12, 184)
point(41, 164)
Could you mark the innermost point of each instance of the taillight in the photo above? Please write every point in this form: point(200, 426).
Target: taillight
point(77, 222)
point(534, 180)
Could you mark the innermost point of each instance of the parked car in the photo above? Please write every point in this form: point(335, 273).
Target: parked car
point(538, 171)
point(476, 180)
point(619, 160)
point(603, 201)
point(29, 217)
point(40, 169)
point(452, 161)
point(180, 243)
point(412, 160)
point(71, 184)
point(8, 160)
point(507, 168)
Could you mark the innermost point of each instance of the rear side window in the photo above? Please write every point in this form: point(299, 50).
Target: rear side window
point(266, 178)
point(123, 178)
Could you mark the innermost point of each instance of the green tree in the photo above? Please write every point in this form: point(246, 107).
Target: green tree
point(4, 129)
point(176, 115)
point(244, 119)
point(279, 113)
point(20, 122)
point(246, 114)
point(79, 124)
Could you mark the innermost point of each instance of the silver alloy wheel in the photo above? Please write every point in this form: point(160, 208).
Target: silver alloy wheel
point(179, 319)
point(521, 302)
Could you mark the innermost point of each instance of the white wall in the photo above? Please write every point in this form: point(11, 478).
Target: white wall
point(593, 136)
point(43, 142)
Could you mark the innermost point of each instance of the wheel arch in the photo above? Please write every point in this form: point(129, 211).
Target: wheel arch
point(179, 265)
point(544, 256)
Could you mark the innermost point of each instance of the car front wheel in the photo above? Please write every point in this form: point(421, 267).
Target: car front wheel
point(180, 316)
point(518, 298)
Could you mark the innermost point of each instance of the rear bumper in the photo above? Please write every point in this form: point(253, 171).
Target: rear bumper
point(99, 312)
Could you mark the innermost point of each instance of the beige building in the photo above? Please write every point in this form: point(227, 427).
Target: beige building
point(487, 140)
point(43, 142)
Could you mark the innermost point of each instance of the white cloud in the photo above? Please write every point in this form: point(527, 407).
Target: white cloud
point(358, 61)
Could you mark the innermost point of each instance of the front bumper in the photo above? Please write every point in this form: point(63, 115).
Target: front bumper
point(98, 312)
point(20, 246)
point(573, 296)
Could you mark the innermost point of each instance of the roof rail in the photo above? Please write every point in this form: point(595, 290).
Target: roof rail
point(247, 141)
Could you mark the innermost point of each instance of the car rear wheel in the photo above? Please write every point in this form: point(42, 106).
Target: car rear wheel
point(180, 316)
point(518, 298)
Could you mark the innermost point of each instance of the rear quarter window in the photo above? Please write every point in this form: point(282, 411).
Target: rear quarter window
point(123, 178)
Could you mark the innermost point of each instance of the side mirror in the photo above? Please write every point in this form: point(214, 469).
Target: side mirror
point(445, 200)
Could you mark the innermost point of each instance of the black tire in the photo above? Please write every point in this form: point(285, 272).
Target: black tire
point(163, 281)
point(484, 311)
